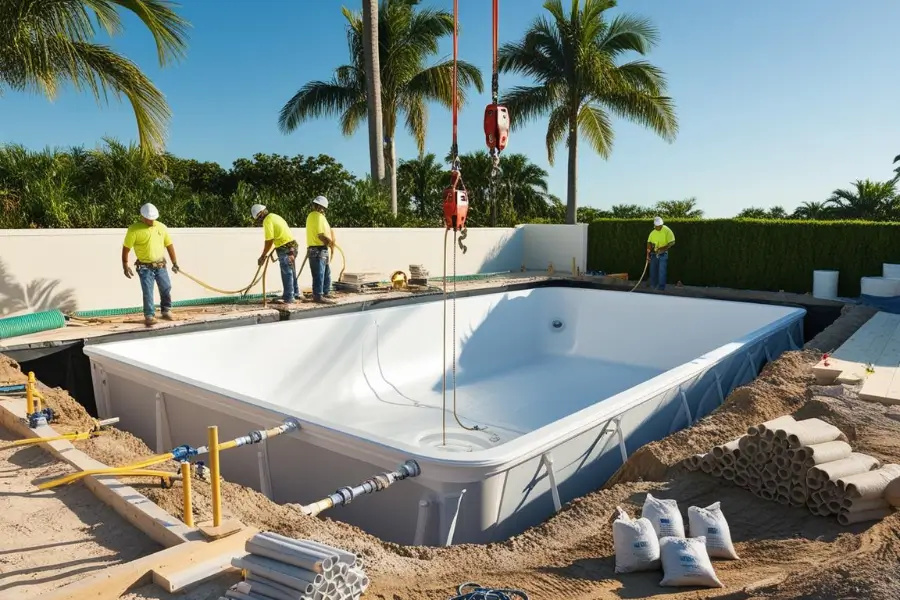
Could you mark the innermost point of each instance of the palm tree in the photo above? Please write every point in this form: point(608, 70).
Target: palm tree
point(525, 183)
point(870, 201)
point(679, 209)
point(406, 38)
point(373, 87)
point(45, 44)
point(421, 181)
point(813, 211)
point(574, 59)
point(897, 170)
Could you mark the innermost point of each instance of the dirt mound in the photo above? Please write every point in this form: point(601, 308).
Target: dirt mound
point(781, 388)
point(785, 552)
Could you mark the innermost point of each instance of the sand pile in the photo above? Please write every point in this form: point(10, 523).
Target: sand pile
point(785, 552)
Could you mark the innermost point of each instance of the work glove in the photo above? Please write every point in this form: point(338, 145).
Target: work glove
point(128, 272)
point(262, 259)
point(175, 268)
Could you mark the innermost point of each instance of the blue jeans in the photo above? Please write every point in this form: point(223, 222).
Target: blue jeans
point(320, 269)
point(659, 265)
point(288, 274)
point(160, 276)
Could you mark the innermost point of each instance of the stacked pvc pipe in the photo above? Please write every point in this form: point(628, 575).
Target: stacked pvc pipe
point(803, 463)
point(282, 568)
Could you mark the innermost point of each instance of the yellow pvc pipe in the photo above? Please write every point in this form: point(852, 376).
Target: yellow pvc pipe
point(155, 460)
point(213, 444)
point(186, 489)
point(29, 394)
point(66, 436)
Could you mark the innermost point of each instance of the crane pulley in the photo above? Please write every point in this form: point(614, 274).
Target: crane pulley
point(456, 199)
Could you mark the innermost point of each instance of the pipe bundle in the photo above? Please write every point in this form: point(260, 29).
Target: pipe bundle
point(803, 463)
point(282, 568)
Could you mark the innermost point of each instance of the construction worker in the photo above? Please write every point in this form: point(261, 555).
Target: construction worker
point(148, 238)
point(319, 241)
point(658, 244)
point(277, 233)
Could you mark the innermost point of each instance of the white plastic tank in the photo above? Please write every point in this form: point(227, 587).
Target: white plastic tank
point(879, 286)
point(890, 271)
point(825, 284)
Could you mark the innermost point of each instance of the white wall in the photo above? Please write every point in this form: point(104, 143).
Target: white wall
point(557, 244)
point(80, 269)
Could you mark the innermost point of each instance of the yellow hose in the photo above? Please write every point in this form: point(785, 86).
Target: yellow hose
point(67, 436)
point(147, 462)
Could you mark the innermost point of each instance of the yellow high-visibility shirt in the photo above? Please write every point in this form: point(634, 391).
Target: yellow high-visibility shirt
point(316, 223)
point(276, 228)
point(660, 238)
point(148, 241)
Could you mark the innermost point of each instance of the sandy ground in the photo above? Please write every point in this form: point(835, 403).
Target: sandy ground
point(785, 553)
point(49, 539)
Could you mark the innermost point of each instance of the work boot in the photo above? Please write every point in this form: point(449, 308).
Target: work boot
point(149, 321)
point(166, 316)
point(323, 300)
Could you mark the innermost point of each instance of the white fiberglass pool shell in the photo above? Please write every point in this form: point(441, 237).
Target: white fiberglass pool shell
point(561, 382)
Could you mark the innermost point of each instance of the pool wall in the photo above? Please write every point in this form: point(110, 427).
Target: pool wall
point(462, 498)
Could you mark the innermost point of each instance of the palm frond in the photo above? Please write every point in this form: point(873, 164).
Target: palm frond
point(595, 125)
point(317, 99)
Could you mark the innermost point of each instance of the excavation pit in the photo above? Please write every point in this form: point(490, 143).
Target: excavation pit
point(561, 382)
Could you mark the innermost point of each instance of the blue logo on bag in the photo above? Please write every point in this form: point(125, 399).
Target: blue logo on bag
point(665, 521)
point(686, 559)
point(713, 530)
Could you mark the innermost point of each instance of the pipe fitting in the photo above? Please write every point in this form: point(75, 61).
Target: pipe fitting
point(409, 469)
point(183, 452)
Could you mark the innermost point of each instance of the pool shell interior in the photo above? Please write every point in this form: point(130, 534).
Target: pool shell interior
point(525, 359)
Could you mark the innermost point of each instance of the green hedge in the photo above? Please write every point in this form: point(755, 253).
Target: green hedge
point(749, 253)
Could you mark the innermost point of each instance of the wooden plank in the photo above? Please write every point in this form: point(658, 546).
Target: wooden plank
point(878, 385)
point(110, 583)
point(210, 560)
point(136, 508)
point(867, 345)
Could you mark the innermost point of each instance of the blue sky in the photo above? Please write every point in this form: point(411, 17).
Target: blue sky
point(779, 102)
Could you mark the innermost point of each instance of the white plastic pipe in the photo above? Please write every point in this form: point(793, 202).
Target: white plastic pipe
point(343, 556)
point(291, 554)
point(868, 515)
point(853, 464)
point(292, 577)
point(859, 505)
point(324, 550)
point(773, 424)
point(273, 589)
point(823, 453)
point(812, 431)
point(871, 484)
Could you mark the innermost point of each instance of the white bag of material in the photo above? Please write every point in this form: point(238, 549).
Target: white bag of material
point(685, 563)
point(710, 523)
point(637, 547)
point(664, 516)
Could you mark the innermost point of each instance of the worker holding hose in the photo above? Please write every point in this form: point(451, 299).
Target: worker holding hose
point(277, 233)
point(319, 241)
point(658, 244)
point(148, 238)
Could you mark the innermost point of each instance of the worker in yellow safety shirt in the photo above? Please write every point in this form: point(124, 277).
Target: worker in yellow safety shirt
point(149, 238)
point(277, 233)
point(659, 242)
point(319, 241)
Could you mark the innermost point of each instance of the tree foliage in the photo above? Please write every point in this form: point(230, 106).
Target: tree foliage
point(581, 81)
point(46, 44)
point(408, 37)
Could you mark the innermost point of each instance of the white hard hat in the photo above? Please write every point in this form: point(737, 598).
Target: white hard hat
point(148, 211)
point(321, 201)
point(256, 209)
point(657, 221)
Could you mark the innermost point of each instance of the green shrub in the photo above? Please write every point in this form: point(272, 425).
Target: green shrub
point(750, 253)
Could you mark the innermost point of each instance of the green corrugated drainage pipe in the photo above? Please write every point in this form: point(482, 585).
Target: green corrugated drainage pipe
point(31, 323)
point(115, 312)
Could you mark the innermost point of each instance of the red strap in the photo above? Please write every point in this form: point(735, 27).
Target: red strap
point(455, 54)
